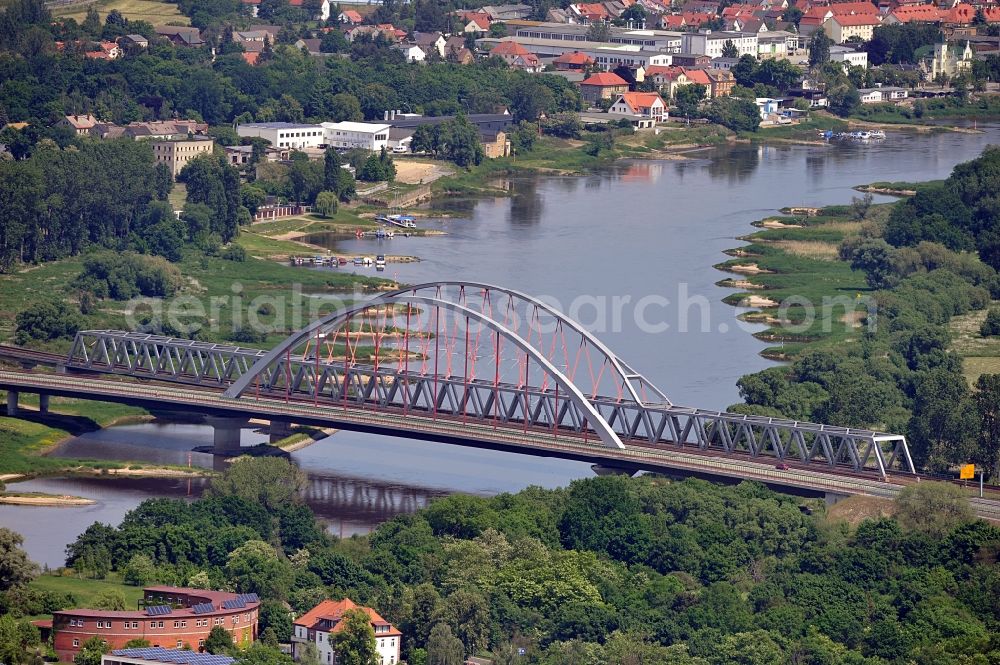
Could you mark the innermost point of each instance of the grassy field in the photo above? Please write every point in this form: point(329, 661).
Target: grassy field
point(980, 355)
point(22, 439)
point(798, 264)
point(157, 13)
point(85, 592)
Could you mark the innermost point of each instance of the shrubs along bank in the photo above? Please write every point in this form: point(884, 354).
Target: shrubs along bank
point(609, 570)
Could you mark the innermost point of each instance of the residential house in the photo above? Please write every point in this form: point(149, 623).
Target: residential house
point(589, 12)
point(411, 52)
point(528, 62)
point(133, 41)
point(814, 18)
point(349, 135)
point(475, 22)
point(177, 153)
point(695, 19)
point(80, 124)
point(310, 46)
point(721, 82)
point(847, 27)
point(603, 85)
point(667, 79)
point(914, 14)
point(494, 143)
point(672, 22)
point(512, 53)
point(318, 624)
point(430, 42)
point(768, 107)
point(181, 35)
point(459, 55)
point(699, 76)
point(323, 14)
point(575, 61)
point(647, 104)
point(350, 17)
point(817, 98)
point(105, 51)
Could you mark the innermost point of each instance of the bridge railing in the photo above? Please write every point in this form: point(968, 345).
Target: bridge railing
point(506, 405)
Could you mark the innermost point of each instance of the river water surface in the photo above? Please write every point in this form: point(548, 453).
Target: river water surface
point(643, 229)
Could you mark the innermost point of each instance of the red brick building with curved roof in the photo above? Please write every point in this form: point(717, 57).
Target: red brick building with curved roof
point(170, 617)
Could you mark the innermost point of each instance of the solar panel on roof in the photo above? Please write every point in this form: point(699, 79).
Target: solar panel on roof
point(248, 598)
point(233, 604)
point(202, 608)
point(157, 610)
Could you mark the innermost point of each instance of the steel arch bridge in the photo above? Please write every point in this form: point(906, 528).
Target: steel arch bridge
point(483, 354)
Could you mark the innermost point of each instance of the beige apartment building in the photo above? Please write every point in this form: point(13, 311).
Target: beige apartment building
point(177, 153)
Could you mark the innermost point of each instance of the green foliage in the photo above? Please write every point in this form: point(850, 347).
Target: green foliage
point(326, 204)
point(991, 325)
point(819, 48)
point(273, 482)
point(16, 569)
point(734, 113)
point(255, 567)
point(443, 648)
point(19, 640)
point(354, 642)
point(456, 139)
point(112, 600)
point(688, 99)
point(91, 651)
point(211, 181)
point(378, 168)
point(563, 125)
point(260, 654)
point(220, 642)
point(121, 276)
point(139, 571)
point(933, 509)
point(46, 320)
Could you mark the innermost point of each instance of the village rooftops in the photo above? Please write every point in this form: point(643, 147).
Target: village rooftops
point(605, 79)
point(328, 614)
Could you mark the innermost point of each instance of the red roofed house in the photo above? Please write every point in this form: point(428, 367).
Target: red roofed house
point(672, 22)
point(514, 54)
point(81, 124)
point(842, 27)
point(695, 19)
point(647, 104)
point(698, 76)
point(107, 51)
point(591, 12)
point(667, 78)
point(915, 14)
point(351, 17)
point(316, 626)
point(476, 21)
point(604, 85)
point(813, 19)
point(573, 62)
point(172, 617)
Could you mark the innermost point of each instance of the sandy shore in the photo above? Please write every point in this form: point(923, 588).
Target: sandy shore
point(44, 500)
point(748, 269)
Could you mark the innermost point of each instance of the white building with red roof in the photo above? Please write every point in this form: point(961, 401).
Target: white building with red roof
point(647, 104)
point(318, 624)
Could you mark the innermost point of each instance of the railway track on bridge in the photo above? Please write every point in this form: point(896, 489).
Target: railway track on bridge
point(554, 443)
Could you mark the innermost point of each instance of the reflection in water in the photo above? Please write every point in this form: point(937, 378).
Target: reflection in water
point(526, 203)
point(739, 163)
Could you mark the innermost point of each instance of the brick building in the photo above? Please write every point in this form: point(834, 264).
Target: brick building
point(170, 617)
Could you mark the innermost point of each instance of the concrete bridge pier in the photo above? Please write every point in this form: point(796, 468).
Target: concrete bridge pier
point(833, 497)
point(43, 403)
point(602, 470)
point(12, 396)
point(226, 433)
point(278, 430)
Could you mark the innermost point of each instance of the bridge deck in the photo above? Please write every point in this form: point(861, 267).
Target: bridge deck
point(634, 457)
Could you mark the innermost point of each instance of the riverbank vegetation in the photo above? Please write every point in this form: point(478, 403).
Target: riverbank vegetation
point(609, 570)
point(882, 355)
